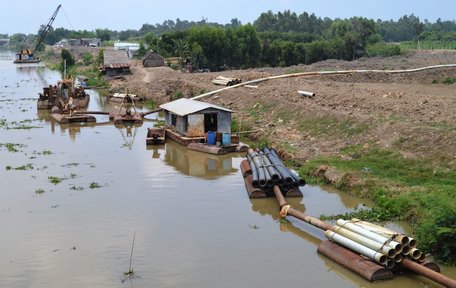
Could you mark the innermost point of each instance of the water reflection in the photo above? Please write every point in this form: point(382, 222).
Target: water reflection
point(198, 164)
point(128, 133)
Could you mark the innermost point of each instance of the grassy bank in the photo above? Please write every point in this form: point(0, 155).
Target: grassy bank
point(413, 190)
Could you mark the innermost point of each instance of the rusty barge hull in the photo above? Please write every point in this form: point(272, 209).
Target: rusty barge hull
point(78, 118)
point(155, 136)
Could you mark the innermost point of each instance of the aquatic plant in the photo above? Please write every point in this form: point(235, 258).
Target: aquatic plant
point(28, 166)
point(55, 180)
point(94, 185)
point(39, 191)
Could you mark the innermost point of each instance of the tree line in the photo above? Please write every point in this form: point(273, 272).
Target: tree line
point(273, 39)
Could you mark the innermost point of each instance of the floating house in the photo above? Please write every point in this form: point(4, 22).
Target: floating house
point(193, 119)
point(153, 59)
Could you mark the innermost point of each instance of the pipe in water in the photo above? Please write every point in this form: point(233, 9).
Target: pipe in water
point(359, 248)
point(374, 245)
point(374, 236)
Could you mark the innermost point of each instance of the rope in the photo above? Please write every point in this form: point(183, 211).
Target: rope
point(284, 210)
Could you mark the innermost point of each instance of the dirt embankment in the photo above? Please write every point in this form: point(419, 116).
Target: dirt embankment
point(412, 113)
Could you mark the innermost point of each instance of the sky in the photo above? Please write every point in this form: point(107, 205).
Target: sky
point(26, 16)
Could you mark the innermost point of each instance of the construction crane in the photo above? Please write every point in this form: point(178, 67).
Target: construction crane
point(26, 55)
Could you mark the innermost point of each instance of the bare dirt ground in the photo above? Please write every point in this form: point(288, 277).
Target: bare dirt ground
point(413, 113)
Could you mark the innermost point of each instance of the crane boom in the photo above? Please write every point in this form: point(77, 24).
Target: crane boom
point(48, 27)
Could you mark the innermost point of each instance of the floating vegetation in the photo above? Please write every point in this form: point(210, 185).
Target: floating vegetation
point(39, 191)
point(12, 147)
point(44, 152)
point(23, 127)
point(77, 188)
point(94, 185)
point(70, 165)
point(28, 166)
point(8, 168)
point(55, 180)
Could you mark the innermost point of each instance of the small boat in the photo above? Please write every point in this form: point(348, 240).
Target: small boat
point(125, 98)
point(155, 136)
point(25, 57)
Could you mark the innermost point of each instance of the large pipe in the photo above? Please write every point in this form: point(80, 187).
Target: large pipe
point(357, 229)
point(428, 273)
point(374, 245)
point(403, 239)
point(278, 165)
point(356, 247)
point(298, 214)
point(259, 167)
point(271, 169)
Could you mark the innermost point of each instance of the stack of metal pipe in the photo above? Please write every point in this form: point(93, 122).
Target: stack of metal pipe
point(378, 243)
point(226, 81)
point(268, 170)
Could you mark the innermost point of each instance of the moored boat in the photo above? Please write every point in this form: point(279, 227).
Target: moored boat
point(155, 136)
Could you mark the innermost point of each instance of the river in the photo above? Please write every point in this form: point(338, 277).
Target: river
point(189, 213)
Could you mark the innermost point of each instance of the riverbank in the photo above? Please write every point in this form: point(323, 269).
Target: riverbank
point(386, 137)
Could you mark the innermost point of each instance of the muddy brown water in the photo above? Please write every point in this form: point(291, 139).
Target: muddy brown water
point(194, 224)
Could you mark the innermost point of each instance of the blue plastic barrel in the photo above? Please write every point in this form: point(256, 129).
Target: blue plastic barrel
point(226, 139)
point(211, 138)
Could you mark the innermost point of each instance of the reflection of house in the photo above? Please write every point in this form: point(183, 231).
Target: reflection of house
point(193, 118)
point(115, 63)
point(153, 59)
point(197, 164)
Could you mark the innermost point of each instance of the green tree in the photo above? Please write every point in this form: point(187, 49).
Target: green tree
point(67, 59)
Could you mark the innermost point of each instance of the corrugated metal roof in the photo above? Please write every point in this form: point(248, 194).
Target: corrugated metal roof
point(186, 106)
point(113, 57)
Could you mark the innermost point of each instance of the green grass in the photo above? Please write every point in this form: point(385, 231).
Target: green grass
point(259, 109)
point(330, 126)
point(413, 190)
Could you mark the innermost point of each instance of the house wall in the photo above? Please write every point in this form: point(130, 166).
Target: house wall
point(195, 125)
point(153, 63)
point(224, 122)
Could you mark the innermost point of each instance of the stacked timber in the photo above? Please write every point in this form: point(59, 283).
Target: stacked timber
point(267, 170)
point(226, 81)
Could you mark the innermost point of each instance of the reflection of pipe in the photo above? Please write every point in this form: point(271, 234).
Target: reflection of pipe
point(371, 235)
point(352, 245)
point(374, 245)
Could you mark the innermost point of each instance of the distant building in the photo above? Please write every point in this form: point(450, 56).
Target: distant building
point(153, 59)
point(88, 42)
point(126, 46)
point(193, 118)
point(115, 63)
point(131, 48)
point(4, 42)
